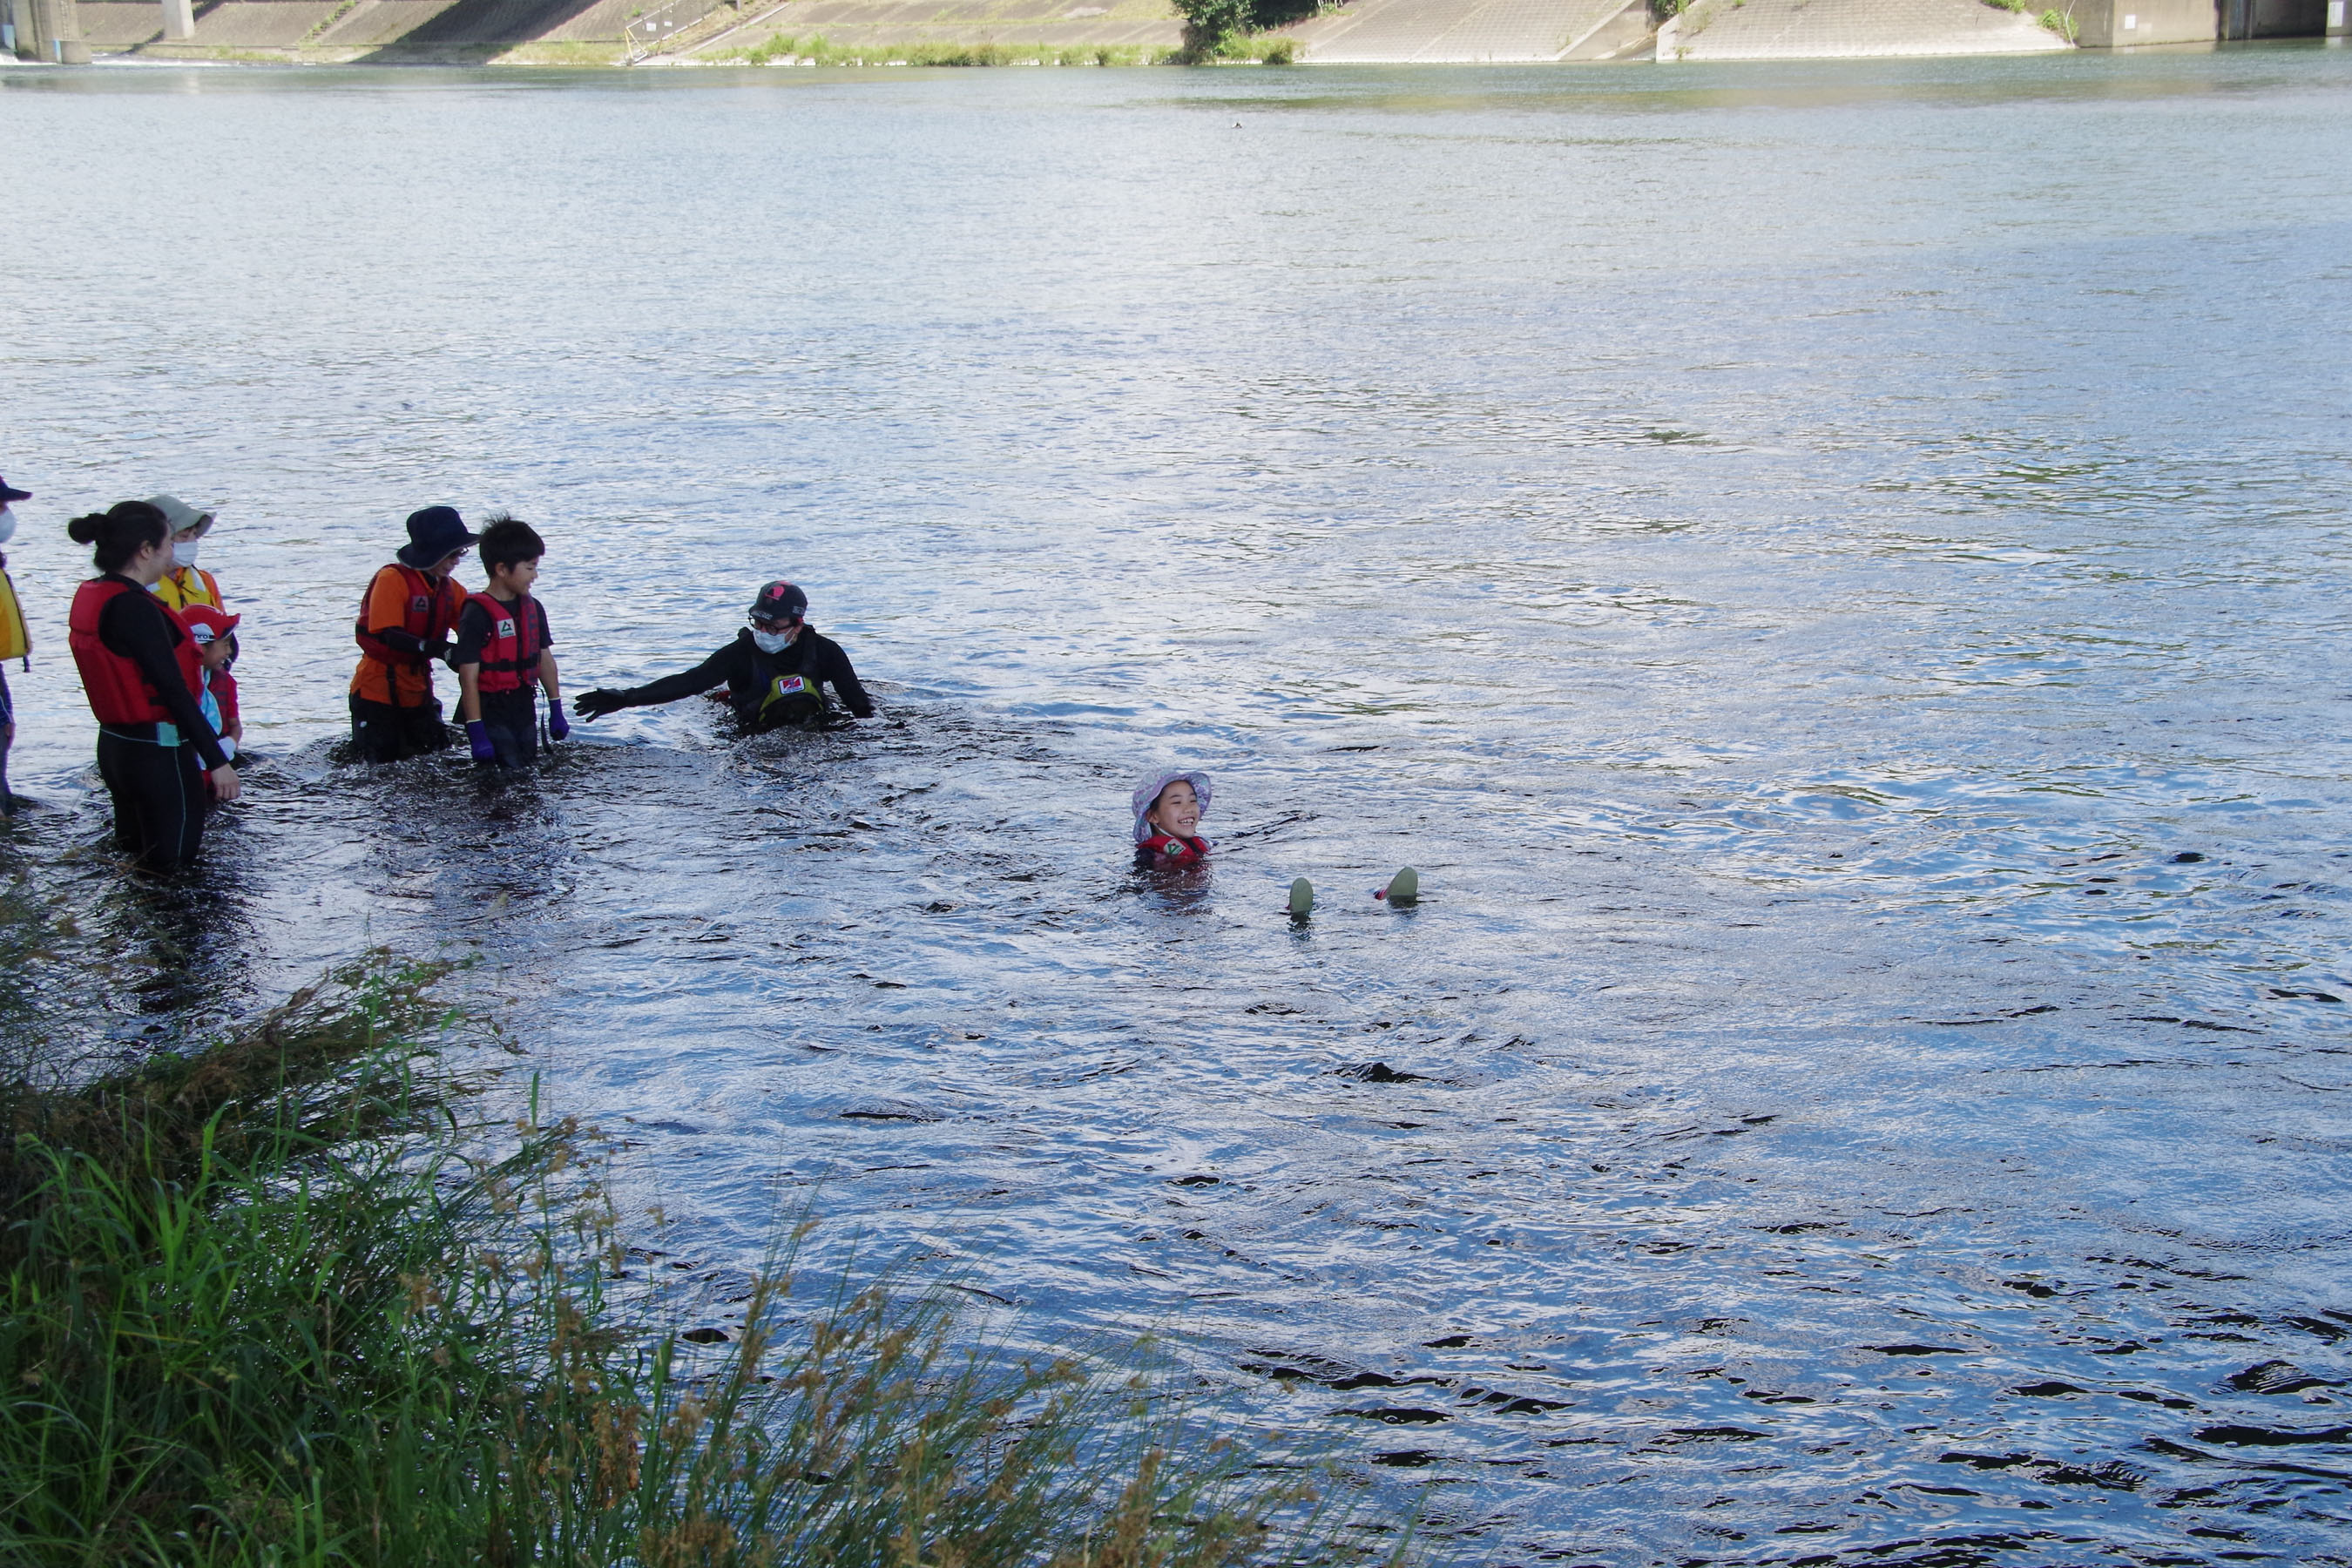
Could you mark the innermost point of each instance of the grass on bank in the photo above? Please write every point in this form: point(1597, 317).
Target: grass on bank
point(273, 1304)
point(815, 49)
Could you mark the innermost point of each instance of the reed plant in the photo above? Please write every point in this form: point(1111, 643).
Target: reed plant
point(302, 1299)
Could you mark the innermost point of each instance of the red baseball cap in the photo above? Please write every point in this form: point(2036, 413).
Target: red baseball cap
point(208, 622)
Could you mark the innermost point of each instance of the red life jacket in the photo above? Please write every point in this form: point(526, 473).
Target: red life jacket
point(511, 653)
point(432, 611)
point(1167, 849)
point(118, 688)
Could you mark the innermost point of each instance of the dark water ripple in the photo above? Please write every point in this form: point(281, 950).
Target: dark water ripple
point(1844, 607)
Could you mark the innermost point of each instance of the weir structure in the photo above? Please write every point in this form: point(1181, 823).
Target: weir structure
point(627, 32)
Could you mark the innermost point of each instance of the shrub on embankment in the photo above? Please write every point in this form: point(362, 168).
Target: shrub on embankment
point(277, 1302)
point(1223, 29)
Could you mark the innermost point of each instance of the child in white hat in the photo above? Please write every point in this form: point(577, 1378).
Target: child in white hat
point(1168, 807)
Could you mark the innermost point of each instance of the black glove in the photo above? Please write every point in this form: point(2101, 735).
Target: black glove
point(440, 650)
point(596, 704)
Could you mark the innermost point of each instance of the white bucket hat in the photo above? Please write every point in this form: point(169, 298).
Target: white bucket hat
point(1147, 796)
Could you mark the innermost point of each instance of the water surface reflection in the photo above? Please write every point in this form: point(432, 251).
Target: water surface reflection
point(1832, 572)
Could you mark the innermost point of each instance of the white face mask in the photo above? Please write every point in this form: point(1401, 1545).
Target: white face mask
point(770, 642)
point(184, 552)
point(8, 525)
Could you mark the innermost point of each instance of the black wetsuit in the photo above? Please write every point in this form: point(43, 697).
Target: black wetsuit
point(158, 791)
point(752, 678)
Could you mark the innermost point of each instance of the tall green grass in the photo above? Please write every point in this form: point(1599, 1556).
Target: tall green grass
point(294, 1300)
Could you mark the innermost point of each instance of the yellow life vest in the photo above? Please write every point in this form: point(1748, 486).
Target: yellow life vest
point(188, 586)
point(16, 642)
point(791, 700)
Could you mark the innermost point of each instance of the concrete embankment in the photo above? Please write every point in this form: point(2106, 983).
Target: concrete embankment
point(1126, 29)
point(618, 32)
point(1849, 29)
point(392, 31)
point(614, 32)
point(1473, 31)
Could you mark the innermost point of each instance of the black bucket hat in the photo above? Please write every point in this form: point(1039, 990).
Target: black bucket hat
point(433, 533)
point(9, 492)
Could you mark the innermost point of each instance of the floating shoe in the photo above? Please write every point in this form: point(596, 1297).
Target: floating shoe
point(1302, 899)
point(1404, 887)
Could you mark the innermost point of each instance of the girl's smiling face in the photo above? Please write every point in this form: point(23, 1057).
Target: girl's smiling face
point(1177, 811)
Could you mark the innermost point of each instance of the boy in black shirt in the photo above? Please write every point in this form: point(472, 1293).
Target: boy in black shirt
point(775, 670)
point(504, 649)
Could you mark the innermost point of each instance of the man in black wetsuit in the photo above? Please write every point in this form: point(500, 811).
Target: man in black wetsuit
point(775, 670)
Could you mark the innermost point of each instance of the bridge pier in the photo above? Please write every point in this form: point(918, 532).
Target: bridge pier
point(179, 20)
point(47, 30)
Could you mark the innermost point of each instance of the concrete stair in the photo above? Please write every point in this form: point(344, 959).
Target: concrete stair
point(1462, 32)
point(1848, 29)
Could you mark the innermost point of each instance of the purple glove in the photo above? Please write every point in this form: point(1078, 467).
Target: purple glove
point(478, 735)
point(557, 726)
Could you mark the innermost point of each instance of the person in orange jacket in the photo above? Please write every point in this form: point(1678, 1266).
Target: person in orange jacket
point(406, 618)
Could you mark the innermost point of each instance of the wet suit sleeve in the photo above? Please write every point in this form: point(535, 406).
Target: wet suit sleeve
point(133, 626)
point(712, 671)
point(835, 668)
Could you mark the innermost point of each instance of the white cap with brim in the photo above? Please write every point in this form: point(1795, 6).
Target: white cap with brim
point(178, 515)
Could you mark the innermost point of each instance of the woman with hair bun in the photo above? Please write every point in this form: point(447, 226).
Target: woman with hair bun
point(158, 756)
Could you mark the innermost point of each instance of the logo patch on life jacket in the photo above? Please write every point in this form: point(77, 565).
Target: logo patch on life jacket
point(505, 628)
point(787, 686)
point(419, 604)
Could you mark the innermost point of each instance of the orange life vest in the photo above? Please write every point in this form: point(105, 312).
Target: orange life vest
point(511, 653)
point(118, 688)
point(432, 611)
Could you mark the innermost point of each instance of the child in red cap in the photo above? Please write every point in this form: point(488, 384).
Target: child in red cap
point(212, 629)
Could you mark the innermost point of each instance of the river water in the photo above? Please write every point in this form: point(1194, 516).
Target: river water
point(1834, 574)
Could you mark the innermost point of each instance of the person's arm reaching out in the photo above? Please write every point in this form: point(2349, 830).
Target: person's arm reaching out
point(712, 671)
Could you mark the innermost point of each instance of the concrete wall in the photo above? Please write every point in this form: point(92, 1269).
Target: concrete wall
point(1849, 29)
point(2124, 24)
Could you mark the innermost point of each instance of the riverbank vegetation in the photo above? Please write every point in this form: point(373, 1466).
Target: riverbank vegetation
point(303, 1297)
point(1216, 30)
point(815, 49)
